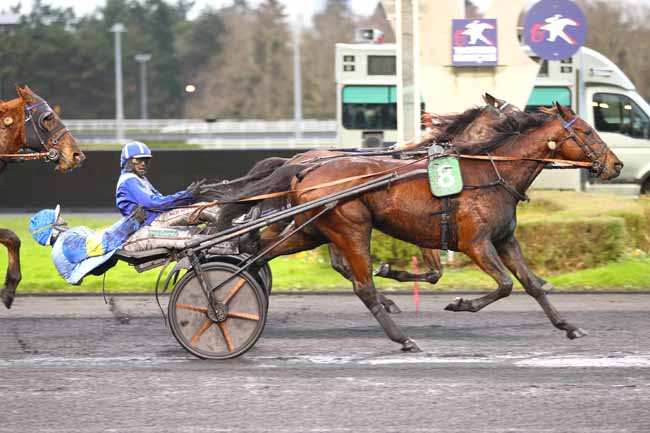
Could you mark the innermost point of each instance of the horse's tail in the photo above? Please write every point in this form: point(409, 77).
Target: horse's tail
point(279, 180)
point(219, 190)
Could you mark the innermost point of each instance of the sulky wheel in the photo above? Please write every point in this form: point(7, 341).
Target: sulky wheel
point(267, 277)
point(231, 327)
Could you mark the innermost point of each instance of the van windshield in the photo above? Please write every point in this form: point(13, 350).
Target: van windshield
point(620, 114)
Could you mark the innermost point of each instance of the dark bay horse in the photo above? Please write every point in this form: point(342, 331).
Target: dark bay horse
point(30, 129)
point(482, 216)
point(463, 129)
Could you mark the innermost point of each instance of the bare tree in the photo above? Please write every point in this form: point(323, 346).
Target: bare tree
point(335, 24)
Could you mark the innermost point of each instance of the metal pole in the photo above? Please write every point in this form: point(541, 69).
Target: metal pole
point(297, 80)
point(143, 59)
point(407, 98)
point(118, 29)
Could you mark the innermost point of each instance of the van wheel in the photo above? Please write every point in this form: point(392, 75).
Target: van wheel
point(645, 187)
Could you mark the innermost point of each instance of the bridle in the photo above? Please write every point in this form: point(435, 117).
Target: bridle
point(597, 167)
point(38, 137)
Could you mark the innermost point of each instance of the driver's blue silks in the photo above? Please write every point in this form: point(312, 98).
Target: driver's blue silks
point(80, 250)
point(133, 190)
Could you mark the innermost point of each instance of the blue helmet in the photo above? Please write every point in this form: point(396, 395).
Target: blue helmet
point(134, 149)
point(41, 224)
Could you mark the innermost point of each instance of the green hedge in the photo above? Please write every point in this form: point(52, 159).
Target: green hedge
point(549, 244)
point(553, 244)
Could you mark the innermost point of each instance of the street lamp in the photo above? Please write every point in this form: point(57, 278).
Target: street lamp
point(190, 88)
point(143, 59)
point(118, 29)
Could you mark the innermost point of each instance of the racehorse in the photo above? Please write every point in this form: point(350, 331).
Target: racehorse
point(462, 129)
point(481, 218)
point(30, 129)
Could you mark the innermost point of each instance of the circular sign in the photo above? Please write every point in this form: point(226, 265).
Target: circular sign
point(555, 29)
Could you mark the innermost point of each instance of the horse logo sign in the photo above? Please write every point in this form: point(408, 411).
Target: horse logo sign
point(474, 42)
point(555, 29)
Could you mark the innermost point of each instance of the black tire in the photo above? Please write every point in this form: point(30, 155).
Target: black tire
point(209, 338)
point(267, 278)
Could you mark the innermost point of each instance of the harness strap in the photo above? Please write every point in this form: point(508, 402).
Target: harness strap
point(445, 232)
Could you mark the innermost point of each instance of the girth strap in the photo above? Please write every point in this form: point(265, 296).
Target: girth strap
point(445, 234)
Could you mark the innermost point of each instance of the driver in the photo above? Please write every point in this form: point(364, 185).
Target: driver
point(134, 189)
point(168, 218)
point(78, 251)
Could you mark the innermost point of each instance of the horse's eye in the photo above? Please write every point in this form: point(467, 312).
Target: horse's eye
point(45, 117)
point(589, 131)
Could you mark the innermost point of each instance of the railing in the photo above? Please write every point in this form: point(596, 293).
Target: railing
point(197, 126)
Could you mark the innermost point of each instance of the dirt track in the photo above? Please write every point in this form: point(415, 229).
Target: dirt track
point(323, 364)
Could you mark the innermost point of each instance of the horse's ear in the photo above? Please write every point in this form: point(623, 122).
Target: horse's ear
point(563, 111)
point(26, 93)
point(490, 100)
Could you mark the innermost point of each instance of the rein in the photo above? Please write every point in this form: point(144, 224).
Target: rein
point(500, 181)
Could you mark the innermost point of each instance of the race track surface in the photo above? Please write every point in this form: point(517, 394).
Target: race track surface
point(70, 364)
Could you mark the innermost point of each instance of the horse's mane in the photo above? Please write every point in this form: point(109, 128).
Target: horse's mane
point(514, 124)
point(451, 125)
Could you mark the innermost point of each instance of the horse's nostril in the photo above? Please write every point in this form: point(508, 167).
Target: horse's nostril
point(78, 157)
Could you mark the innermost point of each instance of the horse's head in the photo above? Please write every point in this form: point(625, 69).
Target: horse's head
point(576, 140)
point(44, 132)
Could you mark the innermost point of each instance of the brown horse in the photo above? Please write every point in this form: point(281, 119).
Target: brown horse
point(463, 129)
point(482, 217)
point(29, 129)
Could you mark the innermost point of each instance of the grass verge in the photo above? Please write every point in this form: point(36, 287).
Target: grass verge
point(305, 272)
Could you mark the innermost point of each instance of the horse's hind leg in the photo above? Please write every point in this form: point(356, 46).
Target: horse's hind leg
point(355, 248)
point(432, 260)
point(485, 256)
point(513, 258)
point(12, 242)
point(341, 266)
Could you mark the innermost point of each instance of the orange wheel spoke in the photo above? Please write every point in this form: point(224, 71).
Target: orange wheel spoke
point(234, 290)
point(192, 308)
point(246, 316)
point(226, 336)
point(205, 327)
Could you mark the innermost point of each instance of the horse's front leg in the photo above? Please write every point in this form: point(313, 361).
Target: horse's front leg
point(341, 266)
point(486, 257)
point(511, 254)
point(12, 242)
point(432, 260)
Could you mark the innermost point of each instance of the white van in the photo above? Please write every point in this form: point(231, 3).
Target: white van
point(613, 106)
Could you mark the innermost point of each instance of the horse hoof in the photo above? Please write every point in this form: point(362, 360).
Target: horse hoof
point(7, 298)
point(455, 306)
point(576, 333)
point(410, 346)
point(382, 270)
point(433, 277)
point(392, 308)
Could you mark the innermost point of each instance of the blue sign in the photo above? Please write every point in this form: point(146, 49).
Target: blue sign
point(474, 42)
point(555, 29)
